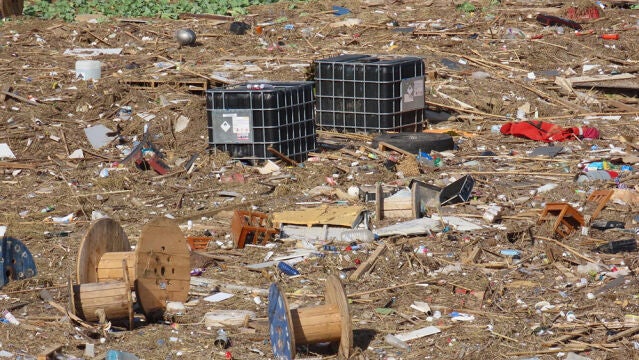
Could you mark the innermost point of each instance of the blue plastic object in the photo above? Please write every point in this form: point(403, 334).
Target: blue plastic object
point(280, 325)
point(17, 262)
point(287, 269)
point(510, 252)
point(339, 11)
point(120, 355)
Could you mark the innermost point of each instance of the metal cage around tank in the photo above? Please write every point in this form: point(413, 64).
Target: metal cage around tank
point(363, 93)
point(246, 120)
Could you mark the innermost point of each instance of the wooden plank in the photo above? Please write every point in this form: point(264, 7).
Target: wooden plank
point(565, 337)
point(18, 97)
point(621, 106)
point(15, 165)
point(193, 85)
point(284, 158)
point(52, 352)
point(471, 256)
point(623, 334)
point(618, 84)
point(363, 267)
point(383, 146)
point(598, 78)
point(568, 275)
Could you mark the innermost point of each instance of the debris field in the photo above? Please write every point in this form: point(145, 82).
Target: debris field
point(503, 224)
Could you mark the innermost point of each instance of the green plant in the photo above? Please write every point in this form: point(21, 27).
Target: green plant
point(68, 9)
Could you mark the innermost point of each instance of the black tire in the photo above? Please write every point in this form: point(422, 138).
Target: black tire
point(413, 142)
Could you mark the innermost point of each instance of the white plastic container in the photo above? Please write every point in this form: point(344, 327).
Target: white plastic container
point(88, 69)
point(361, 235)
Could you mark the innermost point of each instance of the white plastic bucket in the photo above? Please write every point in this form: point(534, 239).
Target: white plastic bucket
point(88, 69)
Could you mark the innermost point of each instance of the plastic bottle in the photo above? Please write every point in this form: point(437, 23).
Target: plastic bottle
point(287, 269)
point(362, 235)
point(10, 318)
point(120, 355)
point(222, 339)
point(391, 339)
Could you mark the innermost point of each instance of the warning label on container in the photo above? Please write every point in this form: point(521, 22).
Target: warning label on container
point(412, 94)
point(241, 127)
point(231, 126)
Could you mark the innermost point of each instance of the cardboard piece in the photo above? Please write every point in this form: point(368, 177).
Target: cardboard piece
point(97, 136)
point(419, 333)
point(347, 216)
point(5, 152)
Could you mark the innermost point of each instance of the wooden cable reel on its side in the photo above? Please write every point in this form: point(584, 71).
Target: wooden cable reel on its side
point(330, 322)
point(112, 297)
point(158, 269)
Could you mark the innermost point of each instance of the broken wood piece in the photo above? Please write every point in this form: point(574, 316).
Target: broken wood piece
point(363, 267)
point(51, 353)
point(470, 256)
point(568, 275)
point(494, 265)
point(565, 337)
point(224, 18)
point(359, 294)
point(285, 158)
point(20, 98)
point(3, 93)
point(379, 201)
point(549, 250)
point(197, 86)
point(504, 337)
point(573, 251)
point(15, 165)
point(631, 331)
point(383, 146)
point(597, 78)
point(621, 106)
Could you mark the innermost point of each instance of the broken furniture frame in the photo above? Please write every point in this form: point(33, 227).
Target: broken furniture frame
point(250, 227)
point(158, 269)
point(330, 322)
point(569, 218)
point(598, 199)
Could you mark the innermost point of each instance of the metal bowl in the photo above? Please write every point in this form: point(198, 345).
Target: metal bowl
point(185, 37)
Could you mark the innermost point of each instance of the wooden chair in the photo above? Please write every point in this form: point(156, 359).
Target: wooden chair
point(568, 218)
point(595, 203)
point(251, 227)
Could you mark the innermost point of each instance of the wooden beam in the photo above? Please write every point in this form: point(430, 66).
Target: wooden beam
point(382, 146)
point(363, 267)
point(15, 165)
point(623, 334)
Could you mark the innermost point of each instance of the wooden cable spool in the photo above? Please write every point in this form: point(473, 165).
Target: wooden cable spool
point(11, 8)
point(112, 297)
point(330, 322)
point(158, 268)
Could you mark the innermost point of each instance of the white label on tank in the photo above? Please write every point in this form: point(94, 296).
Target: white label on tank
point(241, 127)
point(412, 90)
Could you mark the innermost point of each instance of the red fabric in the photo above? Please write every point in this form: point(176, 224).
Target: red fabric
point(547, 132)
